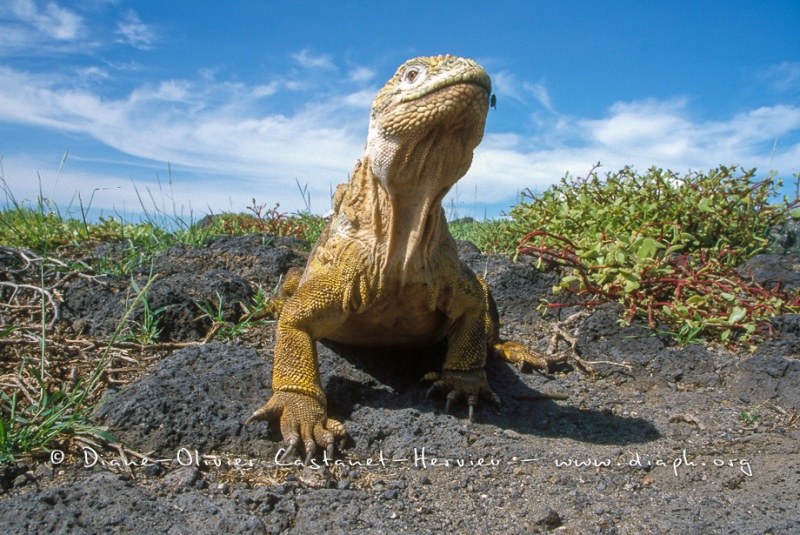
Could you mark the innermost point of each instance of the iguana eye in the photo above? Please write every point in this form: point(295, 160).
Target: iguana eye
point(413, 75)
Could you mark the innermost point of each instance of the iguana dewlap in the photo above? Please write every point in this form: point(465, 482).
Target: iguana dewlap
point(385, 271)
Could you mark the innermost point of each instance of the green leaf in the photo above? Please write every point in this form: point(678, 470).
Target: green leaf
point(630, 286)
point(105, 435)
point(737, 315)
point(647, 250)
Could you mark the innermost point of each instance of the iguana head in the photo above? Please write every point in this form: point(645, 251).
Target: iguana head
point(426, 122)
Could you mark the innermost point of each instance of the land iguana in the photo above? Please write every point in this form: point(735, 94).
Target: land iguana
point(385, 272)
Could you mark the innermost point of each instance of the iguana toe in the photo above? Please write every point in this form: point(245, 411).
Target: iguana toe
point(521, 356)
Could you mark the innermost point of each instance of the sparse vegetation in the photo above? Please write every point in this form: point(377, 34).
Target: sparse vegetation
point(663, 245)
point(147, 331)
point(750, 417)
point(46, 400)
point(43, 228)
point(35, 415)
point(263, 220)
point(264, 307)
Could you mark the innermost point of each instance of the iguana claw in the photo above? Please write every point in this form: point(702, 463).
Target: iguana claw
point(471, 385)
point(286, 453)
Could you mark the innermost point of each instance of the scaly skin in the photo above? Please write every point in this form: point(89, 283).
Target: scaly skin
point(385, 272)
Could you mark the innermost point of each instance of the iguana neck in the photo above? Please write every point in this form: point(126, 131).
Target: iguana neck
point(405, 225)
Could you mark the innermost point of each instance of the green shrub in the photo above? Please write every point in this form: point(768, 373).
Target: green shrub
point(663, 245)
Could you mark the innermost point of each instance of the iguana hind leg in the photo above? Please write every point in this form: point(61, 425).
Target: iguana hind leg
point(463, 374)
point(507, 350)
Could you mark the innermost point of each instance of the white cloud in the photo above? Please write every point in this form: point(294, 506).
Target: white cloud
point(216, 129)
point(229, 142)
point(361, 99)
point(172, 90)
point(655, 127)
point(540, 93)
point(361, 74)
point(784, 76)
point(132, 31)
point(14, 38)
point(52, 20)
point(265, 90)
point(505, 84)
point(641, 134)
point(92, 73)
point(309, 61)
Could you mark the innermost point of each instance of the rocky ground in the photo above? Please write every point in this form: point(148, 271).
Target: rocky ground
point(656, 438)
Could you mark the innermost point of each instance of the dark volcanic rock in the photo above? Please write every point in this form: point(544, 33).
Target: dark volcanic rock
point(517, 287)
point(770, 270)
point(186, 281)
point(199, 398)
point(260, 259)
point(97, 307)
point(785, 238)
point(769, 378)
point(107, 503)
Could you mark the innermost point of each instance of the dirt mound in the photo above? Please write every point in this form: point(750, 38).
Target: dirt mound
point(660, 438)
point(225, 275)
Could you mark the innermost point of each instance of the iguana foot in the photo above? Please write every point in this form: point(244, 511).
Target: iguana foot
point(471, 385)
point(302, 419)
point(520, 356)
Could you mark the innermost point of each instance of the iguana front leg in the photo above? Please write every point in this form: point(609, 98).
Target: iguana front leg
point(463, 374)
point(299, 402)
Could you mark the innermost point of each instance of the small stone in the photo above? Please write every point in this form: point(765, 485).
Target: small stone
point(184, 477)
point(549, 519)
point(48, 498)
point(154, 470)
point(43, 471)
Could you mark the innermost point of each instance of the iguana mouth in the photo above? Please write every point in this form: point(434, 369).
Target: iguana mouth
point(479, 79)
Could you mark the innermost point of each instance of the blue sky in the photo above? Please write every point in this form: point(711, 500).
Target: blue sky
point(202, 106)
